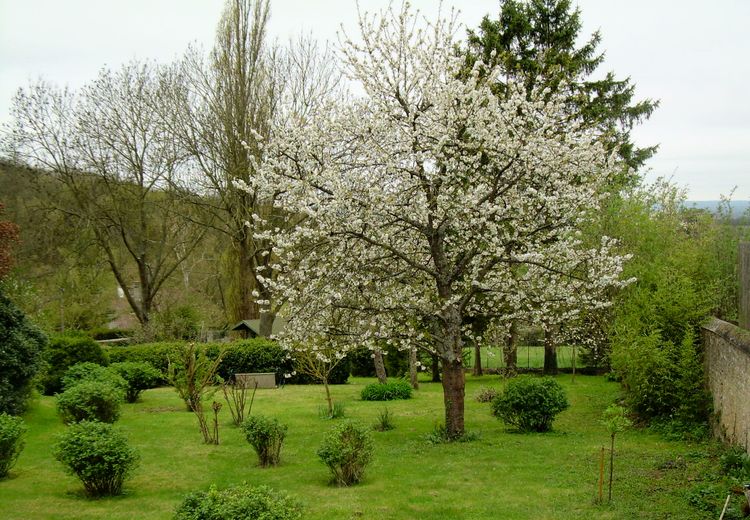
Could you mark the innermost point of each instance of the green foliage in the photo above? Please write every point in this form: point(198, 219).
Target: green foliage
point(486, 395)
point(236, 502)
point(179, 323)
point(615, 419)
point(656, 321)
point(530, 403)
point(347, 450)
point(385, 421)
point(90, 401)
point(396, 362)
point(390, 391)
point(88, 371)
point(11, 441)
point(98, 455)
point(103, 333)
point(155, 354)
point(21, 350)
point(138, 377)
point(192, 373)
point(735, 463)
point(266, 436)
point(440, 435)
point(64, 352)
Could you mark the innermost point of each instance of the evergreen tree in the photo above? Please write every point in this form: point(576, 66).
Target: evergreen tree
point(534, 42)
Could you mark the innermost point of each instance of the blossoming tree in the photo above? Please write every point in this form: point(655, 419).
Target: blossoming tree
point(430, 201)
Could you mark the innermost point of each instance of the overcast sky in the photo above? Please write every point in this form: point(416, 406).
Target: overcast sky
point(692, 55)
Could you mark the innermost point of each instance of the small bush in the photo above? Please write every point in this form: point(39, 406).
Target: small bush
point(347, 450)
point(235, 502)
point(90, 401)
point(98, 455)
point(11, 441)
point(486, 395)
point(530, 403)
point(266, 436)
point(63, 353)
point(439, 435)
point(387, 392)
point(138, 377)
point(385, 421)
point(87, 371)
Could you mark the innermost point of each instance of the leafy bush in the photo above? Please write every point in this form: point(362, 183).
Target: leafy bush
point(138, 377)
point(64, 352)
point(90, 401)
point(390, 391)
point(155, 354)
point(439, 435)
point(266, 436)
point(338, 411)
point(347, 450)
point(87, 371)
point(11, 441)
point(20, 356)
point(98, 455)
point(235, 502)
point(530, 403)
point(486, 395)
point(103, 333)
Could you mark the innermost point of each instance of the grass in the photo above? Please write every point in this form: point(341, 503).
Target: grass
point(529, 356)
point(501, 475)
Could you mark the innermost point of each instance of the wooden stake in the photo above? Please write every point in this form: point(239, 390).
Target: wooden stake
point(611, 466)
point(601, 475)
point(726, 503)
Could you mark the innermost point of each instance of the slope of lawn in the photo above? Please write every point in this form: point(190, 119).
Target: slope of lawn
point(501, 475)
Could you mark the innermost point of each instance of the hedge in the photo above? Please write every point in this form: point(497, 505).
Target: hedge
point(243, 356)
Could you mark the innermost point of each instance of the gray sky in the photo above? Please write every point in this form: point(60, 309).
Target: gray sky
point(690, 54)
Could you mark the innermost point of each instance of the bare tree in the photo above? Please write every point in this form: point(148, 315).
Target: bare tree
point(232, 100)
point(108, 150)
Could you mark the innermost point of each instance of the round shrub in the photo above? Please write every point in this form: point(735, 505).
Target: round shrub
point(11, 441)
point(97, 454)
point(266, 436)
point(390, 391)
point(63, 353)
point(21, 350)
point(90, 401)
point(530, 403)
point(347, 450)
point(138, 377)
point(235, 502)
point(88, 371)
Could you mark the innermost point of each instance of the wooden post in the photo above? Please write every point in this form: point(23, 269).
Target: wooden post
point(744, 303)
point(601, 476)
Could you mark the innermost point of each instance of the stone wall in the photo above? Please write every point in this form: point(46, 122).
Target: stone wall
point(727, 358)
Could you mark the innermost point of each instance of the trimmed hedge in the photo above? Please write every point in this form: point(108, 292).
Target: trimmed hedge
point(21, 355)
point(64, 352)
point(249, 355)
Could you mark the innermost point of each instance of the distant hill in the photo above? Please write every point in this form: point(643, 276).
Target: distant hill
point(738, 206)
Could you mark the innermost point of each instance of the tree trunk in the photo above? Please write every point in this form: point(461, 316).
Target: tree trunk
point(550, 352)
point(477, 360)
point(453, 396)
point(435, 368)
point(413, 368)
point(377, 357)
point(267, 318)
point(244, 309)
point(329, 400)
point(510, 350)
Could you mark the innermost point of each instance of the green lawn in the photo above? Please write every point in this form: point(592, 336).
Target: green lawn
point(502, 475)
point(529, 356)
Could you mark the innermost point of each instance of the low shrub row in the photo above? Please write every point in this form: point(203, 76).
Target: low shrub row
point(244, 356)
